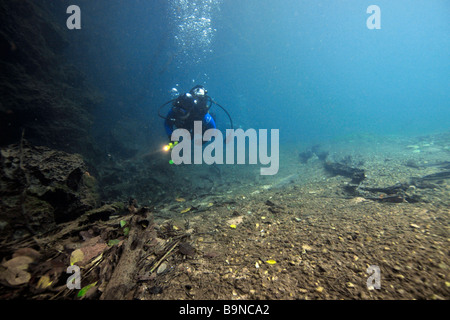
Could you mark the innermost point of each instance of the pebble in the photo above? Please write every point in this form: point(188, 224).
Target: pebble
point(161, 268)
point(442, 266)
point(401, 291)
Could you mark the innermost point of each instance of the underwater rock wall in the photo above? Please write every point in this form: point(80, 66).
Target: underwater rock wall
point(41, 187)
point(41, 93)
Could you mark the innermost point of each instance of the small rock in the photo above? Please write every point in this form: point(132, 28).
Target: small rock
point(186, 249)
point(155, 290)
point(303, 290)
point(442, 266)
point(161, 268)
point(401, 291)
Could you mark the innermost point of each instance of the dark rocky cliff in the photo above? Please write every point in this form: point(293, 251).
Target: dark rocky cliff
point(41, 93)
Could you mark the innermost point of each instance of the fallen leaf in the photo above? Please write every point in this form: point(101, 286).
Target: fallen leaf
point(85, 289)
point(122, 223)
point(77, 255)
point(186, 210)
point(29, 252)
point(271, 261)
point(16, 277)
point(180, 200)
point(44, 282)
point(233, 226)
point(92, 251)
point(113, 242)
point(19, 263)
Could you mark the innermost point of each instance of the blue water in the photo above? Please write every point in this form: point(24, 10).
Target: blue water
point(309, 68)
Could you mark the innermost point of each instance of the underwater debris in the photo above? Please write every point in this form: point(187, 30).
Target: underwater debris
point(412, 164)
point(435, 176)
point(335, 168)
point(305, 156)
point(322, 155)
point(313, 151)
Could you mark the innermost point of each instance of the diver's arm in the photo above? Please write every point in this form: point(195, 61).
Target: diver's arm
point(209, 122)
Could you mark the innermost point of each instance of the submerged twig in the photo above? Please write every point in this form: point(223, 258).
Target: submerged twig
point(164, 256)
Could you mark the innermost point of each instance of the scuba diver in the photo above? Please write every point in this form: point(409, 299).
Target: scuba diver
point(189, 107)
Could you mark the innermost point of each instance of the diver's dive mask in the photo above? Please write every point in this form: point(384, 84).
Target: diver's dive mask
point(199, 91)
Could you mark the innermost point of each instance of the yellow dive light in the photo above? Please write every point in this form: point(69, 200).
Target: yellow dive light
point(170, 146)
